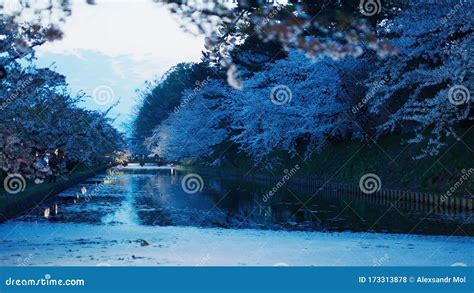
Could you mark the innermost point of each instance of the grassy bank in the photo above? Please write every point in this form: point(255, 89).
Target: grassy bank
point(34, 194)
point(391, 158)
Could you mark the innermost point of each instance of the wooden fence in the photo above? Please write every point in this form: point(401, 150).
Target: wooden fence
point(407, 199)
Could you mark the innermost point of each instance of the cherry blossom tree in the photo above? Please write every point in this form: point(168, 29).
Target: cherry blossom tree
point(293, 102)
point(288, 102)
point(428, 83)
point(194, 128)
point(40, 121)
point(291, 105)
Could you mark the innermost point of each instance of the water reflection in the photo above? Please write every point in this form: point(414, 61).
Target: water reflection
point(156, 198)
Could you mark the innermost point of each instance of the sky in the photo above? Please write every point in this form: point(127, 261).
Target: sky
point(110, 49)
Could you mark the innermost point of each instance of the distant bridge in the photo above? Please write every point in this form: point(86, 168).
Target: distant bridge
point(146, 160)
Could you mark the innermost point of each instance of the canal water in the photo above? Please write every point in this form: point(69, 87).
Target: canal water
point(111, 218)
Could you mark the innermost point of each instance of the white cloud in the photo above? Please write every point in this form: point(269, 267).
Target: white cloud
point(141, 29)
point(120, 44)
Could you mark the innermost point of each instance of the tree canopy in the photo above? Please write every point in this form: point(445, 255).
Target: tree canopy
point(289, 99)
point(43, 132)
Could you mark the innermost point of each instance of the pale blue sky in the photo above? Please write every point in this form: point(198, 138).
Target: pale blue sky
point(118, 44)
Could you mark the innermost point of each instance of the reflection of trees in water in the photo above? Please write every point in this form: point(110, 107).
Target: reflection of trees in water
point(242, 202)
point(163, 202)
point(155, 200)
